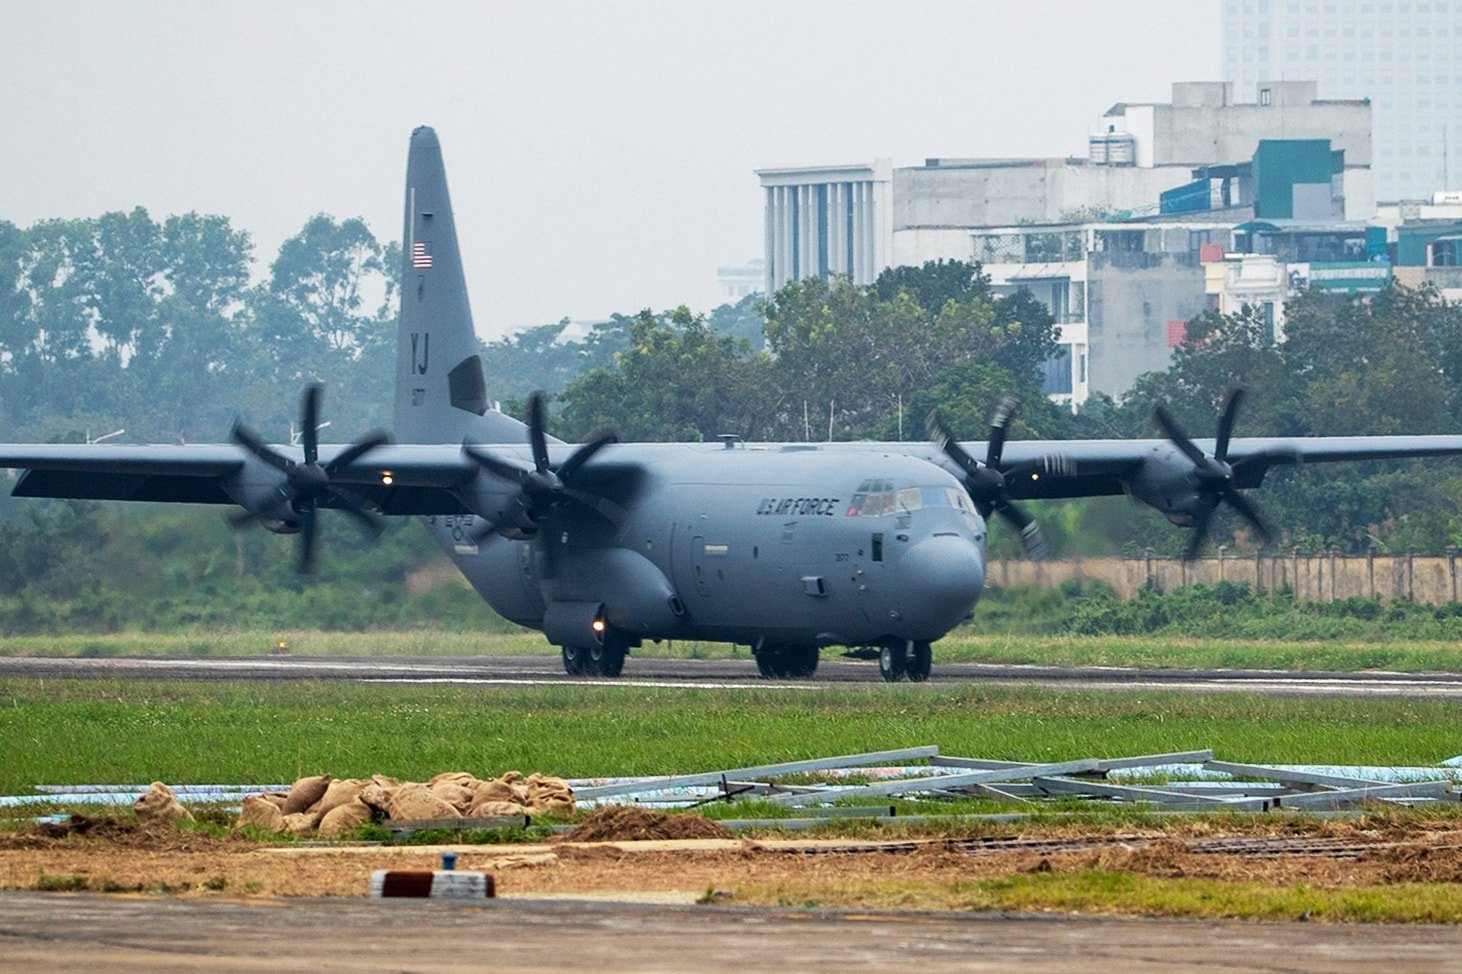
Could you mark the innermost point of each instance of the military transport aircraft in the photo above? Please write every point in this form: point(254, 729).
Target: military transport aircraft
point(786, 548)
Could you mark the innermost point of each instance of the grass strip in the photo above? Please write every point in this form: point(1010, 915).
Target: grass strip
point(1106, 892)
point(69, 732)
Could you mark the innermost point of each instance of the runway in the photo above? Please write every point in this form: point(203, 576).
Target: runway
point(47, 932)
point(727, 674)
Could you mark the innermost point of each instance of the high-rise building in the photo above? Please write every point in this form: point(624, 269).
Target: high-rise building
point(1403, 55)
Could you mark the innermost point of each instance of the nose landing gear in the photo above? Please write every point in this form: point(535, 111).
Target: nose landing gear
point(899, 658)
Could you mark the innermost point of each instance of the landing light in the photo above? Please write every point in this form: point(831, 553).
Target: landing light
point(386, 477)
point(597, 625)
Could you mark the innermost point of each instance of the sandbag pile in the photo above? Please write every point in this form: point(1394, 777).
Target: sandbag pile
point(320, 805)
point(159, 804)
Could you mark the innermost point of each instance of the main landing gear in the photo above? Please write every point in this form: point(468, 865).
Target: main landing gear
point(604, 658)
point(786, 662)
point(899, 658)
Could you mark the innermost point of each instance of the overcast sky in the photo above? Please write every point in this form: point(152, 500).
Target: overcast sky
point(600, 155)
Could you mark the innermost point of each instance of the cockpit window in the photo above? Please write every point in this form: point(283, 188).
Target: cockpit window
point(878, 498)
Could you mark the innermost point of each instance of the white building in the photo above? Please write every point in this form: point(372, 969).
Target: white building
point(1403, 55)
point(828, 220)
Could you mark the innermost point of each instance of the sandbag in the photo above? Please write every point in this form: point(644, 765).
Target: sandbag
point(305, 792)
point(492, 809)
point(463, 778)
point(453, 794)
point(159, 804)
point(341, 791)
point(345, 818)
point(299, 823)
point(377, 797)
point(549, 796)
point(262, 814)
point(419, 803)
point(500, 790)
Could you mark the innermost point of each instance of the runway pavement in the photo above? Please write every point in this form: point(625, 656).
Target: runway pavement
point(49, 932)
point(724, 674)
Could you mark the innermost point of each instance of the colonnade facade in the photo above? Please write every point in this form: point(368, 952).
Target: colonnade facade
point(827, 221)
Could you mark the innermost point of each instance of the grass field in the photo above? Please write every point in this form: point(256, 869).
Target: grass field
point(85, 731)
point(1138, 651)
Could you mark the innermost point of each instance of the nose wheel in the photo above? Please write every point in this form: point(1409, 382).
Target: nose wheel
point(899, 658)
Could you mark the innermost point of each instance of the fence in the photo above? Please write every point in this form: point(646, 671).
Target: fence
point(1315, 577)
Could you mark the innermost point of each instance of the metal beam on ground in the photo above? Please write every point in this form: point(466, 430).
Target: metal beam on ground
point(1131, 793)
point(1294, 776)
point(939, 782)
point(1351, 796)
point(760, 771)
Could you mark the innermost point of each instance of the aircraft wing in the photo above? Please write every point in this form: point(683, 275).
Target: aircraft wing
point(1094, 468)
point(406, 479)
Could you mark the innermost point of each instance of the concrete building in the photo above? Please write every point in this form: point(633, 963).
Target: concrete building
point(1405, 56)
point(1121, 293)
point(1427, 238)
point(737, 281)
point(828, 220)
point(859, 219)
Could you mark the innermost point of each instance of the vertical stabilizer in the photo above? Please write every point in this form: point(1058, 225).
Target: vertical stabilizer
point(441, 392)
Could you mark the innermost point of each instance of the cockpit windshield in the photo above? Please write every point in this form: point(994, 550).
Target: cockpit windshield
point(878, 498)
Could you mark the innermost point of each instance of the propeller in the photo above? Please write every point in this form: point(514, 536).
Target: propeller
point(307, 483)
point(1213, 476)
point(987, 486)
point(541, 487)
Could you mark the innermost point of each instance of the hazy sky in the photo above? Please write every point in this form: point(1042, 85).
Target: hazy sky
point(600, 155)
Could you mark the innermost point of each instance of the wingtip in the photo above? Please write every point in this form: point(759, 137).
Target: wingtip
point(424, 136)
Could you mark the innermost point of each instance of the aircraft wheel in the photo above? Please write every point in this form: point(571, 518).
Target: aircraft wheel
point(799, 662)
point(919, 663)
point(893, 660)
point(769, 664)
point(574, 660)
point(607, 657)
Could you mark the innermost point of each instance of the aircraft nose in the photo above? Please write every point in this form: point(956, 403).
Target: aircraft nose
point(942, 577)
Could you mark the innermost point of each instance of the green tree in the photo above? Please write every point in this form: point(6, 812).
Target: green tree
point(677, 381)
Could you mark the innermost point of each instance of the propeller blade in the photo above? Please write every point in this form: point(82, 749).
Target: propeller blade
point(310, 421)
point(602, 506)
point(1179, 439)
point(1034, 542)
point(1249, 513)
point(584, 453)
point(250, 441)
point(1200, 534)
point(1018, 518)
point(1226, 421)
point(306, 564)
point(357, 450)
point(951, 446)
point(496, 466)
point(368, 522)
point(537, 439)
point(1004, 413)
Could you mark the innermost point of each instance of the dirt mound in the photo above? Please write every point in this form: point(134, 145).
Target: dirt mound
point(118, 832)
point(629, 822)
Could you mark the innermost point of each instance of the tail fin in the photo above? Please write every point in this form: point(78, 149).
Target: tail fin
point(441, 393)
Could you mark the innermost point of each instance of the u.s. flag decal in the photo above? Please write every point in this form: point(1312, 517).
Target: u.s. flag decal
point(419, 255)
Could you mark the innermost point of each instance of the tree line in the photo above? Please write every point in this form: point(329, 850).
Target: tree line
point(122, 321)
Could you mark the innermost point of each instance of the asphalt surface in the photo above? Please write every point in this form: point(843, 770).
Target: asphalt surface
point(49, 932)
point(725, 674)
